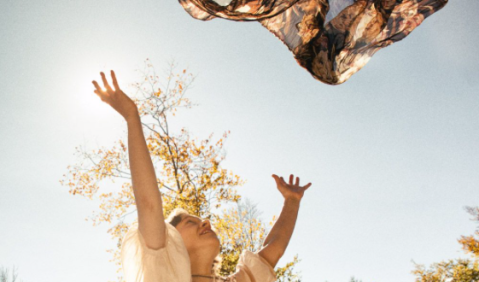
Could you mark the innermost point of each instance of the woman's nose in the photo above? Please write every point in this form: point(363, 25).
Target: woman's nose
point(205, 222)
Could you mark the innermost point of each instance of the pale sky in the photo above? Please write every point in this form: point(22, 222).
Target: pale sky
point(392, 154)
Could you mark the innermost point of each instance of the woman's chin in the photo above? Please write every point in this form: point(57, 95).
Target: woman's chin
point(211, 238)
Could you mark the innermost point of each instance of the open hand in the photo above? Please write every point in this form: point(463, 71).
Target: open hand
point(290, 191)
point(116, 98)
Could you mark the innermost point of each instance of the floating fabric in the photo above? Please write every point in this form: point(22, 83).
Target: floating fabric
point(331, 51)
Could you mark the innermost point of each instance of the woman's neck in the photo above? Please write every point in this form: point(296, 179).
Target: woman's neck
point(201, 265)
point(204, 269)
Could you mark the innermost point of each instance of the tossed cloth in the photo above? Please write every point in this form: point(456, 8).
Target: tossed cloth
point(331, 51)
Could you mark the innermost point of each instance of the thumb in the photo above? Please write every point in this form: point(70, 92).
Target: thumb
point(307, 186)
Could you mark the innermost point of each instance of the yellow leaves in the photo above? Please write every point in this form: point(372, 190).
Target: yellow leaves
point(271, 223)
point(240, 228)
point(189, 172)
point(286, 273)
point(459, 270)
point(470, 244)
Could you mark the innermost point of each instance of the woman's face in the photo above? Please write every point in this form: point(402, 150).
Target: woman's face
point(198, 234)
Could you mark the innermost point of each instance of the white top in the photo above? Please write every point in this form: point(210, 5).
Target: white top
point(172, 262)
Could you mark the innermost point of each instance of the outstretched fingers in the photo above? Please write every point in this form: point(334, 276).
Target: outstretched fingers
point(115, 82)
point(105, 82)
point(276, 178)
point(98, 90)
point(292, 182)
point(279, 180)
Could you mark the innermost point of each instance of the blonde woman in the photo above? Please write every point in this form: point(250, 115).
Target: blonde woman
point(185, 248)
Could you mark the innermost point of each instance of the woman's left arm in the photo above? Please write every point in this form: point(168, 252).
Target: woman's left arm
point(278, 238)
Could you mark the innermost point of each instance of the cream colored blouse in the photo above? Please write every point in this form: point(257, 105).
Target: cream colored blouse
point(172, 263)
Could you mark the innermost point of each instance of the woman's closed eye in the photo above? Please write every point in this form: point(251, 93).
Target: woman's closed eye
point(190, 221)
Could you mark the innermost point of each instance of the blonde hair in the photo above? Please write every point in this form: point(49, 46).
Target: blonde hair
point(174, 218)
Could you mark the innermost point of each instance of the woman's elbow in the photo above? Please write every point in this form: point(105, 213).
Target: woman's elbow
point(271, 254)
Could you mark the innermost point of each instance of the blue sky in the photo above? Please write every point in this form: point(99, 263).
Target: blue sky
point(392, 153)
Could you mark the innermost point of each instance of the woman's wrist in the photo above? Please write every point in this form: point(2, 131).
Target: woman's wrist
point(132, 117)
point(292, 201)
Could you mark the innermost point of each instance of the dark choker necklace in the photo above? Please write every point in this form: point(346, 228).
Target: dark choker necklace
point(206, 276)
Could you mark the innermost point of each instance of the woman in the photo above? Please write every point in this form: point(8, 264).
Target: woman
point(185, 247)
point(331, 52)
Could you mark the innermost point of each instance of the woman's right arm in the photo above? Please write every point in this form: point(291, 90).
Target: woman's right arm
point(151, 222)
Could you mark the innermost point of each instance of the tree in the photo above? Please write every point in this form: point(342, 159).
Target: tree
point(459, 270)
point(287, 273)
point(5, 274)
point(189, 171)
point(240, 228)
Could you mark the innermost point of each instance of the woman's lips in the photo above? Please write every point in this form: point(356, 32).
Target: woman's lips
point(206, 232)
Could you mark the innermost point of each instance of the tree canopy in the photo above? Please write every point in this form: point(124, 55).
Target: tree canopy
point(458, 270)
point(189, 173)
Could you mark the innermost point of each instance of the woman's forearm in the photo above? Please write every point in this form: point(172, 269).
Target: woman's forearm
point(278, 238)
point(145, 188)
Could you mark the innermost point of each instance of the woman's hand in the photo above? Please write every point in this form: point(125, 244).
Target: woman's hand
point(290, 191)
point(275, 244)
point(116, 98)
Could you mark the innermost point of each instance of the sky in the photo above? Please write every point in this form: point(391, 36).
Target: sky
point(392, 153)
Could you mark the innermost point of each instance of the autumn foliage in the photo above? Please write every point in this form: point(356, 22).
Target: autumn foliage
point(459, 270)
point(189, 175)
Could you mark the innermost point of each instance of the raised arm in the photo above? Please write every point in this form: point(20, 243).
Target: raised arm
point(145, 188)
point(278, 238)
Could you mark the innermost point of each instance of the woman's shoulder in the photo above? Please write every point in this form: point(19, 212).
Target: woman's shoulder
point(170, 263)
point(174, 241)
point(252, 267)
